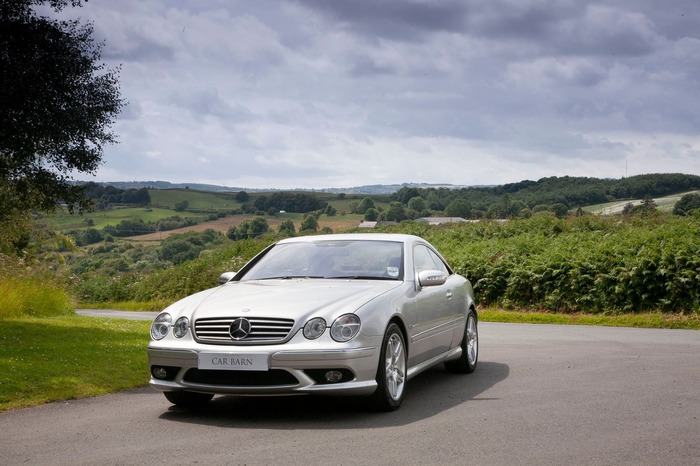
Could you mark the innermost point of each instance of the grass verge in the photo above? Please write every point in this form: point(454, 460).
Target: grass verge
point(642, 320)
point(137, 306)
point(68, 357)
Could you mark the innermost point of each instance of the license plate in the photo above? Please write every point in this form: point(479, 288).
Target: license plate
point(233, 361)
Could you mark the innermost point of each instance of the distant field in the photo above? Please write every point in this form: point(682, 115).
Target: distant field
point(337, 223)
point(201, 204)
point(197, 200)
point(102, 218)
point(664, 204)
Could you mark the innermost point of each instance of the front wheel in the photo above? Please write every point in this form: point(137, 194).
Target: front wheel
point(188, 399)
point(470, 349)
point(391, 373)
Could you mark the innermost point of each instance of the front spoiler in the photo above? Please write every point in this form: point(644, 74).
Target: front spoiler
point(361, 361)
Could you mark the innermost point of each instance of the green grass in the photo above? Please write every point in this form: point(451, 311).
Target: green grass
point(640, 320)
point(32, 297)
point(197, 200)
point(62, 221)
point(62, 358)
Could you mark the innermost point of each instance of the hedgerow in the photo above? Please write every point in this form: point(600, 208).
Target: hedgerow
point(590, 264)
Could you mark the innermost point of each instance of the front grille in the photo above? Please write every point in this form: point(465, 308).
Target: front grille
point(218, 330)
point(271, 378)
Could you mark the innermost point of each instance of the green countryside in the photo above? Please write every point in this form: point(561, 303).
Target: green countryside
point(559, 250)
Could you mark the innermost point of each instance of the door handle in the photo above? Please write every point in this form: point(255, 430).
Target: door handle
point(449, 294)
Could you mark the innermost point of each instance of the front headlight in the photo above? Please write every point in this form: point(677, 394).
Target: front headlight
point(314, 328)
point(181, 326)
point(345, 327)
point(161, 326)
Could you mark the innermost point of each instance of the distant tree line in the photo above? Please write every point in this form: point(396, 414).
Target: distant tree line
point(554, 194)
point(104, 196)
point(289, 202)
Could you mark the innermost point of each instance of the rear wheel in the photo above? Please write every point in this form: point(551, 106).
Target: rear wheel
point(188, 399)
point(391, 373)
point(470, 349)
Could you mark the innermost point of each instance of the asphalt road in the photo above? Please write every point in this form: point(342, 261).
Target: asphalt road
point(542, 394)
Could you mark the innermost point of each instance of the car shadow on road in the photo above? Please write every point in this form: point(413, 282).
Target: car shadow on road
point(426, 395)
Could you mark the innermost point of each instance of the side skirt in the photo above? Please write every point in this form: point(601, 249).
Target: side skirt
point(454, 353)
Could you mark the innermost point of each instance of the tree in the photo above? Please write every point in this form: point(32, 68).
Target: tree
point(559, 209)
point(396, 212)
point(459, 208)
point(365, 204)
point(57, 102)
point(330, 210)
point(416, 203)
point(310, 223)
point(371, 215)
point(645, 209)
point(251, 228)
point(686, 204)
point(181, 206)
point(286, 228)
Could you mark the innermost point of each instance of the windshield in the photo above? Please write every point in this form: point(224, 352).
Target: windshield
point(379, 260)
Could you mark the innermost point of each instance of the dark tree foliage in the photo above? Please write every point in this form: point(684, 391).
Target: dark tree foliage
point(57, 102)
point(103, 196)
point(294, 202)
point(562, 192)
point(687, 204)
point(251, 228)
point(242, 196)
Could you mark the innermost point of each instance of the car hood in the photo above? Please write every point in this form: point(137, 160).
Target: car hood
point(291, 298)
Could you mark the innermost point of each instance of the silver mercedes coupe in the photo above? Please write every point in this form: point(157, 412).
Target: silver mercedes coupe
point(345, 314)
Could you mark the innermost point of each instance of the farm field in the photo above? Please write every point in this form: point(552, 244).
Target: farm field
point(336, 223)
point(103, 218)
point(664, 204)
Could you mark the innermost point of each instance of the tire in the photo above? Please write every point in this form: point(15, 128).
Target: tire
point(391, 371)
point(466, 364)
point(188, 399)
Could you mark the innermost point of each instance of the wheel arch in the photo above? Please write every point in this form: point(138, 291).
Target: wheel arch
point(404, 331)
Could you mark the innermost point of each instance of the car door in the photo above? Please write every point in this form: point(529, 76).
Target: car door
point(434, 318)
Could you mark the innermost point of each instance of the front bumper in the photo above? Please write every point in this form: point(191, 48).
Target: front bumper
point(290, 371)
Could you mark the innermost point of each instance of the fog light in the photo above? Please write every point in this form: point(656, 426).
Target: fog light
point(159, 372)
point(334, 376)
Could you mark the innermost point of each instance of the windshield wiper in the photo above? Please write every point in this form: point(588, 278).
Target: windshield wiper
point(360, 277)
point(289, 277)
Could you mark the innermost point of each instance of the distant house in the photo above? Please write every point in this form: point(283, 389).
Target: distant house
point(440, 220)
point(368, 224)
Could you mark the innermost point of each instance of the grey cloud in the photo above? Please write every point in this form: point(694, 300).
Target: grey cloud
point(607, 31)
point(139, 50)
point(365, 66)
point(399, 20)
point(202, 103)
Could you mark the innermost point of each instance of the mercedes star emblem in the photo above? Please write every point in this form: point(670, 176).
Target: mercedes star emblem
point(240, 328)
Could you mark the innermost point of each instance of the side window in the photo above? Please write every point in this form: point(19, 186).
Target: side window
point(422, 260)
point(438, 263)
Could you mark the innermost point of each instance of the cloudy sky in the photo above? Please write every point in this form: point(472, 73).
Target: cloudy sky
point(341, 93)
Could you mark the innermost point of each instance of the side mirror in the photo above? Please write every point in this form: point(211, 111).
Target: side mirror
point(226, 277)
point(431, 278)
